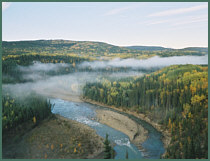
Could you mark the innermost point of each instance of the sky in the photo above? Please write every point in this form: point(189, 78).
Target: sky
point(167, 24)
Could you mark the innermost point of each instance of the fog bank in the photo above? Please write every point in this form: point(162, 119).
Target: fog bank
point(70, 85)
point(154, 62)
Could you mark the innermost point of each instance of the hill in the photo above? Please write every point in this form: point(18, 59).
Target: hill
point(148, 48)
point(62, 46)
point(160, 48)
point(199, 49)
point(92, 49)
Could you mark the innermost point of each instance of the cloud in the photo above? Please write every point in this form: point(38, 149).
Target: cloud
point(192, 20)
point(123, 9)
point(179, 11)
point(180, 21)
point(5, 5)
point(79, 6)
point(158, 22)
point(117, 11)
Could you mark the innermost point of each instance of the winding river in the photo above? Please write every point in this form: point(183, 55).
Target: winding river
point(85, 113)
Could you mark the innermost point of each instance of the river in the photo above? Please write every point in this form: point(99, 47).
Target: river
point(85, 113)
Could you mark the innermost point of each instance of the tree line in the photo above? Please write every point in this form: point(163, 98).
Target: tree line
point(17, 110)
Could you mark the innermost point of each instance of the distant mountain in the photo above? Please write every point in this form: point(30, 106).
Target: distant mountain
point(148, 48)
point(65, 46)
point(199, 49)
point(160, 48)
point(93, 49)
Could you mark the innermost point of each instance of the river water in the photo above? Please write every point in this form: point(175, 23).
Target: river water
point(85, 113)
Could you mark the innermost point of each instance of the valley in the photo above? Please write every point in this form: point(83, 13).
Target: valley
point(151, 101)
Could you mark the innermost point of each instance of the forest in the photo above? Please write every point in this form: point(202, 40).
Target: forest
point(175, 96)
point(18, 110)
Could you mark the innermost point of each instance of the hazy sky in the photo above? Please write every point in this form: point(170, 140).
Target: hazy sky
point(175, 25)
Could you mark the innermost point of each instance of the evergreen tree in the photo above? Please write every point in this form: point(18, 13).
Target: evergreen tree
point(108, 148)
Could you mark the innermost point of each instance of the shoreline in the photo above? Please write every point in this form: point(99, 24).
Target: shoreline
point(166, 136)
point(97, 153)
point(136, 133)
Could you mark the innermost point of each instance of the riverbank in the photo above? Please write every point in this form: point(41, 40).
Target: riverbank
point(166, 137)
point(136, 133)
point(54, 138)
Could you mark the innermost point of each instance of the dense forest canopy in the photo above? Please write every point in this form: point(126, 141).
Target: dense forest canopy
point(175, 96)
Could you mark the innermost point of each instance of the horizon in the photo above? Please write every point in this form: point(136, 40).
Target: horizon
point(106, 43)
point(174, 25)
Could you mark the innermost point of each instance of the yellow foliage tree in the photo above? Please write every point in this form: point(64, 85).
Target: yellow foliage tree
point(169, 124)
point(197, 99)
point(6, 104)
point(186, 108)
point(189, 115)
point(73, 64)
point(192, 89)
point(34, 120)
point(52, 147)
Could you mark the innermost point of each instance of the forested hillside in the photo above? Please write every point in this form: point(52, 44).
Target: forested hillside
point(62, 47)
point(91, 49)
point(175, 96)
point(149, 48)
point(159, 48)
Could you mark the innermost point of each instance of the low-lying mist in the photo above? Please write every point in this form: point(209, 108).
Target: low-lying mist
point(39, 70)
point(154, 62)
point(69, 86)
point(43, 67)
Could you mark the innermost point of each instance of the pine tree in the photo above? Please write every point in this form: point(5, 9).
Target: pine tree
point(108, 148)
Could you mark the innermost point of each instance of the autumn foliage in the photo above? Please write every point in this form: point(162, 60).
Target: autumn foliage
point(175, 96)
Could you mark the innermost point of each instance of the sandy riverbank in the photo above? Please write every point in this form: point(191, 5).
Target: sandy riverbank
point(166, 135)
point(55, 137)
point(134, 131)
